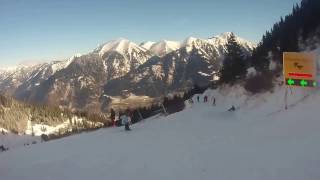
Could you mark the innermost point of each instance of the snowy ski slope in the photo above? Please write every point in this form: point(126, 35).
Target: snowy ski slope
point(260, 141)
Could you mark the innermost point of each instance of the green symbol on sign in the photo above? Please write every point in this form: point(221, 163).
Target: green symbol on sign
point(315, 84)
point(290, 82)
point(303, 83)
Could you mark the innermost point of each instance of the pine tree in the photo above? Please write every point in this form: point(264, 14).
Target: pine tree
point(234, 65)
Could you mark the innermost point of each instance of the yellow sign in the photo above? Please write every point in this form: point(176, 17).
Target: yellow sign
point(299, 69)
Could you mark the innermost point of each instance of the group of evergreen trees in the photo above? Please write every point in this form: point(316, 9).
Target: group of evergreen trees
point(292, 33)
point(234, 64)
point(14, 116)
point(289, 34)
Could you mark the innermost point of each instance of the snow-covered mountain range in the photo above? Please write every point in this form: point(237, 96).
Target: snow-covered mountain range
point(195, 61)
point(81, 81)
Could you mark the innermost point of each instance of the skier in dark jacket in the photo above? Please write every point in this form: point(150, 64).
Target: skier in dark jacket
point(113, 117)
point(232, 109)
point(198, 98)
point(205, 99)
point(2, 148)
point(213, 101)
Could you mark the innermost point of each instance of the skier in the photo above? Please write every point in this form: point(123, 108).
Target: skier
point(117, 118)
point(113, 117)
point(232, 108)
point(2, 148)
point(198, 98)
point(130, 115)
point(190, 102)
point(125, 121)
point(205, 99)
point(213, 101)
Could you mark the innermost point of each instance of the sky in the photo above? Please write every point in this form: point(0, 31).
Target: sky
point(46, 30)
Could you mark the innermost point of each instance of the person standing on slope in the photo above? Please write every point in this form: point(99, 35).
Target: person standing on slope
point(130, 115)
point(125, 121)
point(232, 108)
point(198, 98)
point(205, 99)
point(213, 101)
point(113, 117)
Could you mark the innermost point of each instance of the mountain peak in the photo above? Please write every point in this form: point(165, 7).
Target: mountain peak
point(226, 34)
point(164, 47)
point(222, 39)
point(147, 45)
point(121, 45)
point(189, 41)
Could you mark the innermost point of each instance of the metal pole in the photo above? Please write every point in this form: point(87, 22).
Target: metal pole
point(285, 98)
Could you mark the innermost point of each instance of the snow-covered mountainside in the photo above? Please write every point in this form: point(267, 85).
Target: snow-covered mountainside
point(147, 45)
point(120, 56)
point(24, 78)
point(79, 86)
point(20, 118)
point(164, 47)
point(80, 82)
point(260, 140)
point(221, 40)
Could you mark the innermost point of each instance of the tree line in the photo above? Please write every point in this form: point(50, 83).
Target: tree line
point(294, 32)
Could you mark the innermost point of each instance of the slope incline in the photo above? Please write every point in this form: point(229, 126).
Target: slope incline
point(201, 142)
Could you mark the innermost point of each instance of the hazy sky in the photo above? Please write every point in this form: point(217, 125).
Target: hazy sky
point(37, 30)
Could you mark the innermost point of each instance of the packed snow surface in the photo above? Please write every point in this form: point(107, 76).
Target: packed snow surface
point(13, 141)
point(259, 141)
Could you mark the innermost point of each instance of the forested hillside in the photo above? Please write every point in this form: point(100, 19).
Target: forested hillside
point(297, 31)
point(15, 115)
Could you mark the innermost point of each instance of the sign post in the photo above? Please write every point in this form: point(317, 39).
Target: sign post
point(299, 69)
